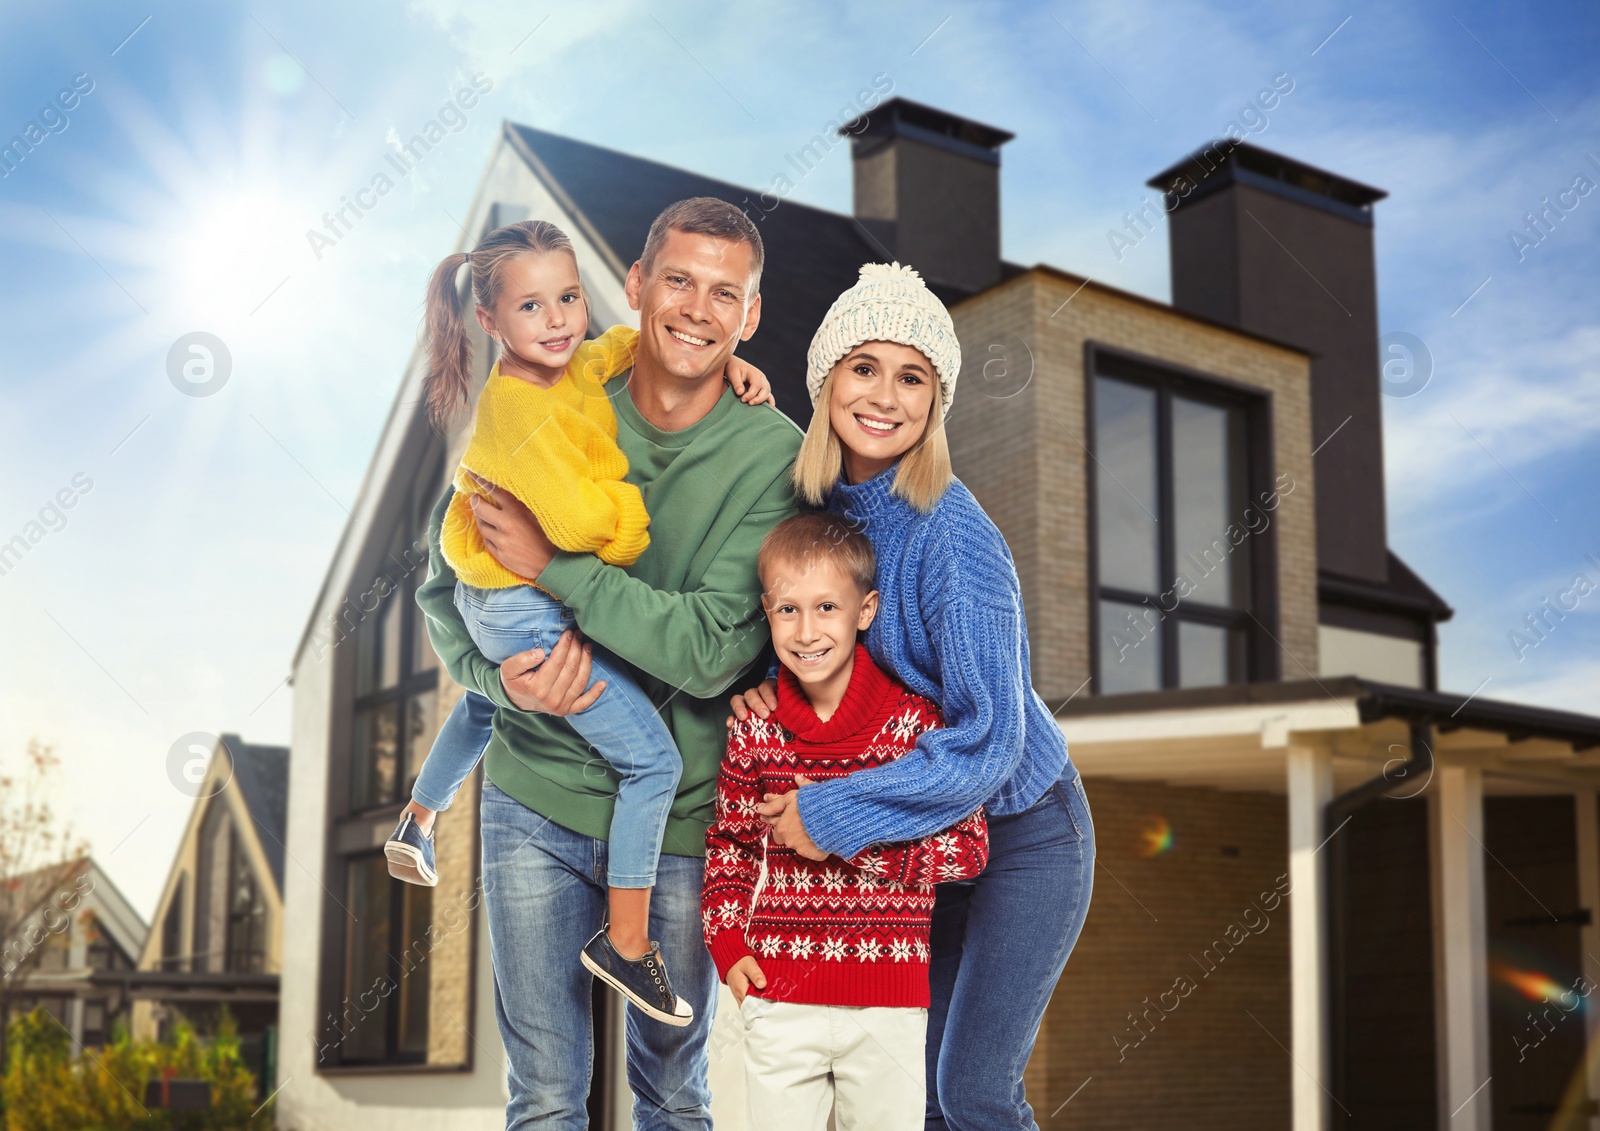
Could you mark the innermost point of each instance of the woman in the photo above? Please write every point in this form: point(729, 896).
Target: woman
point(881, 372)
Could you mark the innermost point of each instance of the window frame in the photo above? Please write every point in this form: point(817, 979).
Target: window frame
point(1257, 618)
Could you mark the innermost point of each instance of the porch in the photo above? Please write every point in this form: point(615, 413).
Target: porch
point(1439, 866)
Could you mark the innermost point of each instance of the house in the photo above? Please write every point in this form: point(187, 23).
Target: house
point(218, 938)
point(1328, 892)
point(78, 936)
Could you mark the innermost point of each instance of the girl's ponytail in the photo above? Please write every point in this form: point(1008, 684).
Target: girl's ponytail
point(449, 349)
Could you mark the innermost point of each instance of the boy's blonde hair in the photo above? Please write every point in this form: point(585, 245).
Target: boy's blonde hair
point(920, 478)
point(808, 540)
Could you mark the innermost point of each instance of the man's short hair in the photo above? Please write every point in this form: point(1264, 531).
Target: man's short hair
point(807, 540)
point(706, 216)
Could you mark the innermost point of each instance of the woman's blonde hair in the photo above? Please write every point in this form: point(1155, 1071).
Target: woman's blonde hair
point(449, 378)
point(920, 477)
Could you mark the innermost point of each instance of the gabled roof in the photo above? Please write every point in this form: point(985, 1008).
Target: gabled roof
point(111, 909)
point(261, 774)
point(811, 254)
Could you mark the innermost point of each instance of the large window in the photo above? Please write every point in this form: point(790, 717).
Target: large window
point(247, 917)
point(1181, 561)
point(230, 911)
point(379, 953)
point(397, 674)
point(385, 979)
point(172, 953)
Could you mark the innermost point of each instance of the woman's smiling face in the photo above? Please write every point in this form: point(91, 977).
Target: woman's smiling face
point(881, 400)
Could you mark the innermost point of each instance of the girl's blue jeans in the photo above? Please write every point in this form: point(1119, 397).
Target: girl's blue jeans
point(623, 726)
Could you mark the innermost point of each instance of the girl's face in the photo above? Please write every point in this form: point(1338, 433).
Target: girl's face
point(539, 316)
point(881, 399)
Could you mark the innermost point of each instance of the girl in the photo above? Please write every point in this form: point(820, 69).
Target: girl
point(545, 432)
point(881, 372)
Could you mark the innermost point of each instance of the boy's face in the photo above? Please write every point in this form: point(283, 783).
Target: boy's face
point(814, 615)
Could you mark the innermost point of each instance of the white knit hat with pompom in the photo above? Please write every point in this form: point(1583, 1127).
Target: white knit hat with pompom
point(889, 303)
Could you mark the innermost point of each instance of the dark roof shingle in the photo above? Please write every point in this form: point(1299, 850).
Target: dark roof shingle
point(262, 776)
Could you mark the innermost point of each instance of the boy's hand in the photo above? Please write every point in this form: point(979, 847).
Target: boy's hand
point(762, 699)
point(749, 382)
point(745, 973)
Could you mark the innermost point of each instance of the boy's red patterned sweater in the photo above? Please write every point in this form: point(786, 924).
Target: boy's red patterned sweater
point(830, 932)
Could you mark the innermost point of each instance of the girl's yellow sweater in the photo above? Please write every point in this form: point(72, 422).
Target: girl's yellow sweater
point(555, 449)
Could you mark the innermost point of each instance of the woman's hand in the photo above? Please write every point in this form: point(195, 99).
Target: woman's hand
point(749, 382)
point(743, 974)
point(510, 532)
point(761, 700)
point(557, 687)
point(781, 811)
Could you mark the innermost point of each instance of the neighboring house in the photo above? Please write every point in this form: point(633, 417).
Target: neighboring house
point(69, 955)
point(1194, 496)
point(217, 941)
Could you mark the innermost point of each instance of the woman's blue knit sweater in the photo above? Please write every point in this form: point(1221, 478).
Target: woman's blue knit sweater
point(951, 628)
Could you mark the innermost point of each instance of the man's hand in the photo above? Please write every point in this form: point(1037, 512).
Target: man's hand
point(510, 532)
point(781, 811)
point(559, 686)
point(745, 973)
point(761, 700)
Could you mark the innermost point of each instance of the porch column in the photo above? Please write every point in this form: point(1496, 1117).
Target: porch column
point(1310, 789)
point(1584, 798)
point(1461, 961)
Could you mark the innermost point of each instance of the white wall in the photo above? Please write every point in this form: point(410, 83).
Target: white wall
point(1387, 659)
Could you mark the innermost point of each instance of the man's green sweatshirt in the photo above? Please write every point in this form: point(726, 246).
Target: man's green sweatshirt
point(685, 618)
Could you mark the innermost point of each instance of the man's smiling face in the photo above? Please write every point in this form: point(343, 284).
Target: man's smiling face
point(692, 303)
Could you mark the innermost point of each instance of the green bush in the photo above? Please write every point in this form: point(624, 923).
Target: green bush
point(47, 1088)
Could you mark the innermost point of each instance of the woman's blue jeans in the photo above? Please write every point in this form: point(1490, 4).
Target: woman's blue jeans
point(999, 945)
point(623, 727)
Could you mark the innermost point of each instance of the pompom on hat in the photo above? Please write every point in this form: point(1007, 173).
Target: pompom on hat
point(889, 303)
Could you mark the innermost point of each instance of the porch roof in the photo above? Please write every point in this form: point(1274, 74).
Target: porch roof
point(1235, 736)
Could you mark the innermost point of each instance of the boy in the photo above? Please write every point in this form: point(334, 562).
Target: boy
point(827, 959)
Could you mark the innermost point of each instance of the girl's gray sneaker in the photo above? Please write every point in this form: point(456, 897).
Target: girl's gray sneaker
point(643, 982)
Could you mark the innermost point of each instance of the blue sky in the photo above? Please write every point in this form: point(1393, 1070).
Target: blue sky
point(177, 196)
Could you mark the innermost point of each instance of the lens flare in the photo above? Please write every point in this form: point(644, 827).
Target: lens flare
point(1534, 985)
point(1155, 837)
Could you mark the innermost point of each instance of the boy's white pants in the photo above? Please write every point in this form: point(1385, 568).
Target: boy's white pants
point(865, 1063)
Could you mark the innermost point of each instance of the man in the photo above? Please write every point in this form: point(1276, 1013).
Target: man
point(687, 618)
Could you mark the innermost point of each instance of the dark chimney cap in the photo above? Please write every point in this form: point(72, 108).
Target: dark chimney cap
point(1226, 162)
point(901, 117)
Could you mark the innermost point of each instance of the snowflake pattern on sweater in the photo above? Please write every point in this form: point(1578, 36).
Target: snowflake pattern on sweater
point(829, 932)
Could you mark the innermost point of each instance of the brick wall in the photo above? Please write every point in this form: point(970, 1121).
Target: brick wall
point(1023, 452)
point(455, 903)
point(1197, 1059)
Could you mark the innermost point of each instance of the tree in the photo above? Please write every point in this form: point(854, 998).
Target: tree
point(43, 870)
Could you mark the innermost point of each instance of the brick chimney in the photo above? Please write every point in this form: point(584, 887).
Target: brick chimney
point(1280, 248)
point(927, 189)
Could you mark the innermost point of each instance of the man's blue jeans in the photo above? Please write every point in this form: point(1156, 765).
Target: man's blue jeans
point(999, 945)
point(623, 727)
point(547, 898)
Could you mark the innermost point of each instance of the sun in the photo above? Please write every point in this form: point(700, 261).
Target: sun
point(233, 251)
